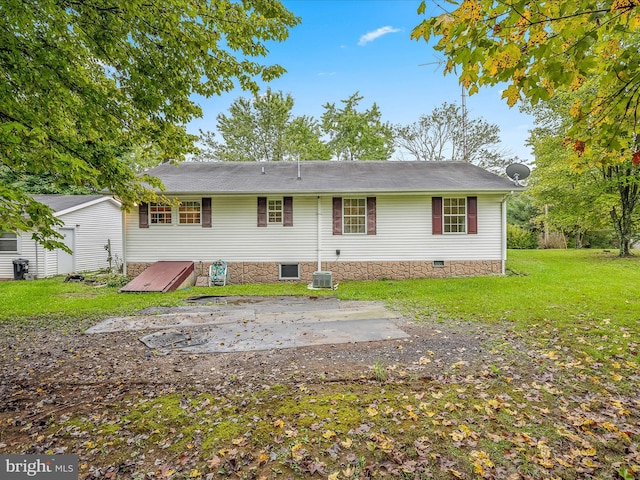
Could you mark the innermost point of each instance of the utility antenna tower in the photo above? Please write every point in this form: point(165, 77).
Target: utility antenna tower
point(465, 154)
point(465, 157)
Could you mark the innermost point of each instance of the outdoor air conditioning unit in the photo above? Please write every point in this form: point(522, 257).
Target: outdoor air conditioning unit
point(322, 280)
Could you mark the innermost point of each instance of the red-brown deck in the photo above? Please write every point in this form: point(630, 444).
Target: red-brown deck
point(160, 277)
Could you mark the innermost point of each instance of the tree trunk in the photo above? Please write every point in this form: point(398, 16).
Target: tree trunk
point(622, 226)
point(629, 196)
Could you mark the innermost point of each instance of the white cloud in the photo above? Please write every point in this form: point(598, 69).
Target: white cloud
point(326, 74)
point(371, 36)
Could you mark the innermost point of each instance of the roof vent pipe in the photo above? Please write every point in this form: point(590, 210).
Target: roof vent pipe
point(263, 171)
point(299, 177)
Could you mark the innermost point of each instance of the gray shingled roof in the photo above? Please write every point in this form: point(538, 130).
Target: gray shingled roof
point(326, 177)
point(58, 203)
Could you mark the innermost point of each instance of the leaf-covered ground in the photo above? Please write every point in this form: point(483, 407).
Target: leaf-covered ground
point(456, 400)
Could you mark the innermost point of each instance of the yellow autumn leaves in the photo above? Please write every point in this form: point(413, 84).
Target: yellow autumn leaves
point(469, 10)
point(623, 6)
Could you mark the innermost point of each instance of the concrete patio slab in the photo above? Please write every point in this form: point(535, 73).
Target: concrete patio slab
point(227, 324)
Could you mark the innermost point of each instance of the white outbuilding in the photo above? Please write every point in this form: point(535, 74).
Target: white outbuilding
point(92, 229)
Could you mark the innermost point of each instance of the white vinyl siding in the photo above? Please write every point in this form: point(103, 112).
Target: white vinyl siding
point(403, 233)
point(485, 245)
point(233, 237)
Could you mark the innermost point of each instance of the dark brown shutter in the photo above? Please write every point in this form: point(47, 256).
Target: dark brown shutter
point(436, 215)
point(337, 215)
point(371, 215)
point(472, 214)
point(262, 211)
point(143, 215)
point(287, 214)
point(206, 212)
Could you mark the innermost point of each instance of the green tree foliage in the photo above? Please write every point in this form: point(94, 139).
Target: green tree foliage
point(539, 47)
point(44, 183)
point(304, 139)
point(355, 135)
point(439, 136)
point(583, 193)
point(522, 211)
point(520, 238)
point(263, 129)
point(82, 83)
point(522, 221)
point(575, 202)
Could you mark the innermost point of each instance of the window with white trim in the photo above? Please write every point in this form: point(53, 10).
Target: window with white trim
point(160, 214)
point(274, 210)
point(354, 215)
point(454, 214)
point(8, 242)
point(189, 213)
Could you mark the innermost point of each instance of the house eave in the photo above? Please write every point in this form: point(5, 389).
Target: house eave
point(315, 193)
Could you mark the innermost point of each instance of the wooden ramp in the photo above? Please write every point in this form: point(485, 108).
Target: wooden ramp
point(162, 277)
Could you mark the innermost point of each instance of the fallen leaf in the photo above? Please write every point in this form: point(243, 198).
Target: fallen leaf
point(346, 443)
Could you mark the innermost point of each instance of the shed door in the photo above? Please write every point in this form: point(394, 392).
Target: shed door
point(66, 261)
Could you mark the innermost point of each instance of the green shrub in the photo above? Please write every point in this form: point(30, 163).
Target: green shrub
point(520, 238)
point(117, 280)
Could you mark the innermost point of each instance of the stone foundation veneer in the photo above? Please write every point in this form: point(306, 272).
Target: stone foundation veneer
point(267, 272)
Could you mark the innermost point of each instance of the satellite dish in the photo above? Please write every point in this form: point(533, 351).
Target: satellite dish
point(517, 172)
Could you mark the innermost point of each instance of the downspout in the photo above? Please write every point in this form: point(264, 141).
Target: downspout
point(319, 230)
point(124, 243)
point(37, 275)
point(503, 237)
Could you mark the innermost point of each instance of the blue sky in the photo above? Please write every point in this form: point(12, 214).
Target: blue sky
point(344, 46)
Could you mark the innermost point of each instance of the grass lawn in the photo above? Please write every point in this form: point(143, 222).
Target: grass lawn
point(560, 399)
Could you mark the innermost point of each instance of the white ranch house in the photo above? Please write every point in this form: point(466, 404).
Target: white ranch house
point(89, 223)
point(359, 220)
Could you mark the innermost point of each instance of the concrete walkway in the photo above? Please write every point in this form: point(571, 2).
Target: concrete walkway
point(228, 324)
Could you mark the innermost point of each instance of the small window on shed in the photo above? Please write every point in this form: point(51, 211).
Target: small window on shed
point(8, 242)
point(289, 271)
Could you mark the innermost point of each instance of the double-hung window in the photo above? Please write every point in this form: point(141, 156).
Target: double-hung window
point(274, 210)
point(354, 215)
point(454, 214)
